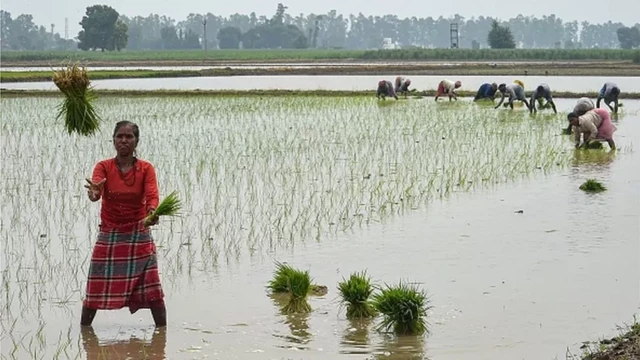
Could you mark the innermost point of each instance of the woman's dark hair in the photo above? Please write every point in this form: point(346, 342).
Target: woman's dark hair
point(136, 130)
point(540, 88)
point(572, 115)
point(615, 91)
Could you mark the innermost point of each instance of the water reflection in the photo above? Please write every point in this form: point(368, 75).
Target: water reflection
point(298, 324)
point(133, 348)
point(355, 338)
point(615, 117)
point(593, 156)
point(401, 347)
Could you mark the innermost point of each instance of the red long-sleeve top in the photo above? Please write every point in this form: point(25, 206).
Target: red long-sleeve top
point(126, 198)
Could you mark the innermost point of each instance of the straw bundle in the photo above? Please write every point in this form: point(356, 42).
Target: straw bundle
point(77, 108)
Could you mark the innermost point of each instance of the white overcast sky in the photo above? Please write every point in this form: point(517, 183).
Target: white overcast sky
point(46, 12)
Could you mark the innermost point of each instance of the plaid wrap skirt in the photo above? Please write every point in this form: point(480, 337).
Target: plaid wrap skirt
point(124, 271)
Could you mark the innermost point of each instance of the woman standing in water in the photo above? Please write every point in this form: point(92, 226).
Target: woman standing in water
point(124, 268)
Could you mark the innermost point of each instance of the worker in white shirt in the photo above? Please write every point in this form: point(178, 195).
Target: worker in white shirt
point(593, 125)
point(515, 92)
point(448, 87)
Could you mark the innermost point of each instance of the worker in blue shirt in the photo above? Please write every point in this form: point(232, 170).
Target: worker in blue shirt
point(609, 93)
point(486, 91)
point(543, 91)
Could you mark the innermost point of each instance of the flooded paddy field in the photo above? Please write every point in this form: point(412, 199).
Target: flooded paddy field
point(577, 84)
point(480, 207)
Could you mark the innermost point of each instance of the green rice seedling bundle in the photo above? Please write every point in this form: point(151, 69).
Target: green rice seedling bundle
point(170, 206)
point(404, 308)
point(77, 108)
point(592, 186)
point(280, 281)
point(297, 283)
point(300, 287)
point(355, 293)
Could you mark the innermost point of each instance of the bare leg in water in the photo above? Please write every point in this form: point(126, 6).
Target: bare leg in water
point(159, 313)
point(87, 316)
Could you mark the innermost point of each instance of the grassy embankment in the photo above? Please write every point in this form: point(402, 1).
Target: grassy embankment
point(9, 58)
point(626, 346)
point(587, 62)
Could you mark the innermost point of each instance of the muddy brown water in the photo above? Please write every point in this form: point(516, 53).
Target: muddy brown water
point(342, 82)
point(504, 284)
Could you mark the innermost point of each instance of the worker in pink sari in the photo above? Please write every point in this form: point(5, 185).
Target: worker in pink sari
point(593, 125)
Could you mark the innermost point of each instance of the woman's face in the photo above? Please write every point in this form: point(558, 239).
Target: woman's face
point(125, 141)
point(573, 121)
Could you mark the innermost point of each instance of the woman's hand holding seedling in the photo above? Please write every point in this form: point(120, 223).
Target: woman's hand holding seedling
point(170, 206)
point(151, 219)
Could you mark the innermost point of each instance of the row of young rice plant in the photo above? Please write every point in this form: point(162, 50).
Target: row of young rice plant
point(255, 176)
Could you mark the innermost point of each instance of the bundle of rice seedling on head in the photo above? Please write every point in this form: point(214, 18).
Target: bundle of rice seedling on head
point(592, 185)
point(170, 206)
point(404, 309)
point(77, 108)
point(355, 292)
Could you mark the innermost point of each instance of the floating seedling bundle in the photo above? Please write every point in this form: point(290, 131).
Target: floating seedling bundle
point(592, 186)
point(297, 283)
point(77, 109)
point(170, 206)
point(404, 308)
point(355, 293)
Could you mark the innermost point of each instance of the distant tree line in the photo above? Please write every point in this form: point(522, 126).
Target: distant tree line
point(22, 33)
point(103, 30)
